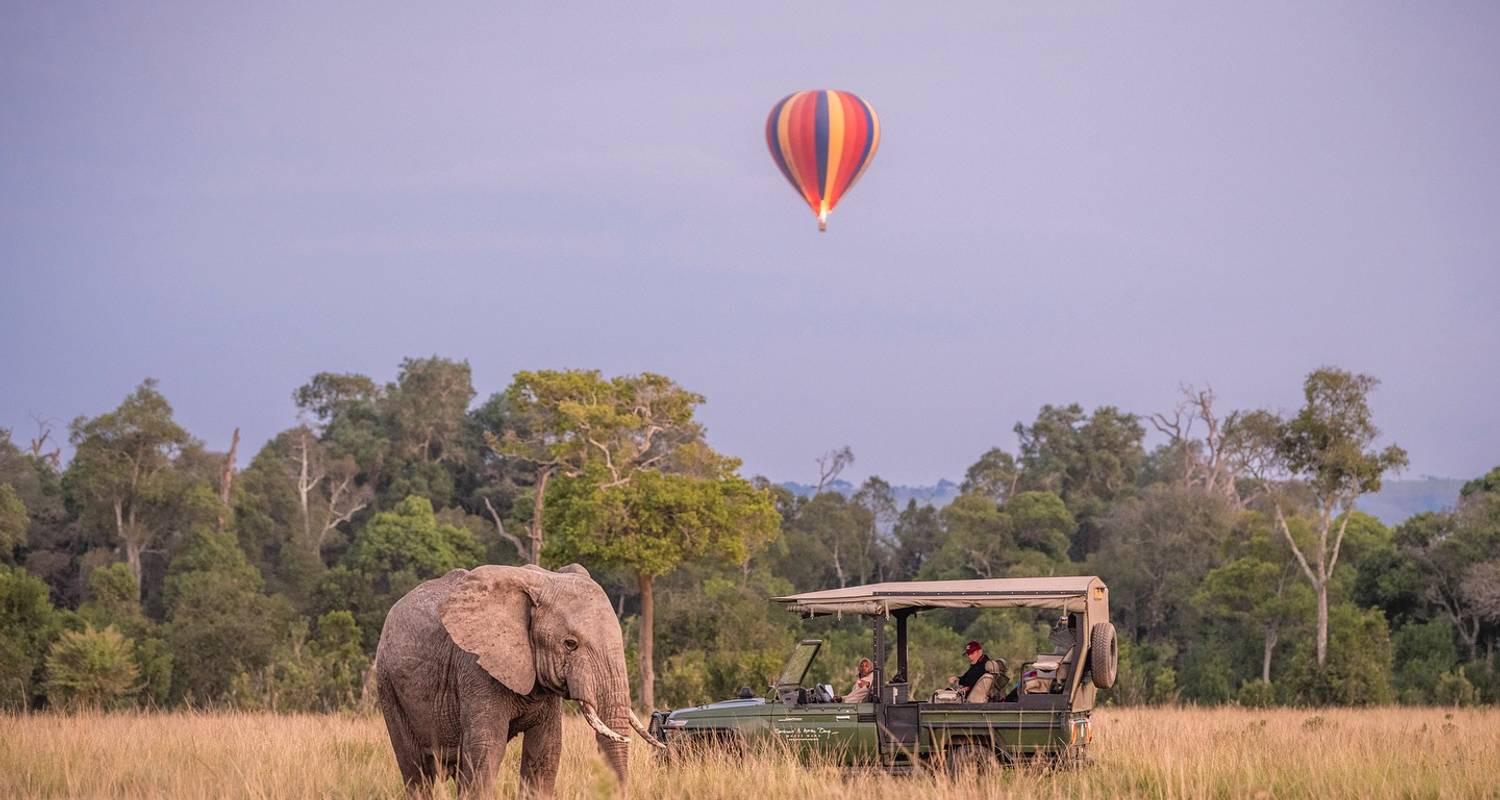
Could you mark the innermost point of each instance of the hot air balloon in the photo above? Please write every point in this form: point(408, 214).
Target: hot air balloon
point(823, 141)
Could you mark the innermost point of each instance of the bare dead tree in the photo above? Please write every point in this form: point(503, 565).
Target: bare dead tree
point(344, 496)
point(1204, 459)
point(505, 535)
point(38, 446)
point(1481, 587)
point(1231, 448)
point(830, 464)
point(226, 478)
point(309, 473)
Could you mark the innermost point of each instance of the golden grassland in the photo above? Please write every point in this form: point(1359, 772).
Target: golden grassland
point(1168, 753)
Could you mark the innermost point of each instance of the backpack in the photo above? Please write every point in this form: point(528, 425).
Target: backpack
point(1001, 683)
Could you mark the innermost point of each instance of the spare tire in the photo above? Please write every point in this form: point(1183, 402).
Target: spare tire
point(1104, 655)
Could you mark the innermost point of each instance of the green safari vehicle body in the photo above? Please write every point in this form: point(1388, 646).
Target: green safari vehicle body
point(896, 731)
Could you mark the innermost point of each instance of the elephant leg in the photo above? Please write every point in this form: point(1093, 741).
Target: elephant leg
point(484, 735)
point(417, 768)
point(541, 751)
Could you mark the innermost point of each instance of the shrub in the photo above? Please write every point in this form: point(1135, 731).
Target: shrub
point(321, 673)
point(91, 669)
point(1454, 689)
point(1256, 694)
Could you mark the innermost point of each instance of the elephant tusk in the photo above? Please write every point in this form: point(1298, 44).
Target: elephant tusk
point(598, 724)
point(645, 734)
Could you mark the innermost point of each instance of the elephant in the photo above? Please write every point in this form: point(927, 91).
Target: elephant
point(469, 660)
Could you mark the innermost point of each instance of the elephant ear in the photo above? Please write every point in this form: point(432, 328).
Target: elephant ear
point(489, 614)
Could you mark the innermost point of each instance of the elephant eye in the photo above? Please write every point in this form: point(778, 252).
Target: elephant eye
point(570, 643)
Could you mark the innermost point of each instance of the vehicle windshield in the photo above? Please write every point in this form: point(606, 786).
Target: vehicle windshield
point(797, 666)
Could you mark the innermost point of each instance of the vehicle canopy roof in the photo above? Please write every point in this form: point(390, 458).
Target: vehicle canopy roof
point(1081, 593)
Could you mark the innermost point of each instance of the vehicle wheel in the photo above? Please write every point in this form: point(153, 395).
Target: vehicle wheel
point(1104, 655)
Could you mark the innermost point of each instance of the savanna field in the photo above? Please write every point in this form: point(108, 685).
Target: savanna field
point(1156, 753)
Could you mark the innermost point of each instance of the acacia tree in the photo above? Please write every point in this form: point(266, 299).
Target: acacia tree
point(1328, 449)
point(564, 421)
point(652, 524)
point(121, 467)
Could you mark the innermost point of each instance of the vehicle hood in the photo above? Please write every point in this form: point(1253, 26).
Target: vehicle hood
point(736, 707)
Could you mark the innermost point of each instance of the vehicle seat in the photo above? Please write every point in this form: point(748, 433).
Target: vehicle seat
point(1048, 674)
point(1064, 671)
point(991, 685)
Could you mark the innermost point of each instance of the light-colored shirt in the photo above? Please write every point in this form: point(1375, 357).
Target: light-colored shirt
point(861, 690)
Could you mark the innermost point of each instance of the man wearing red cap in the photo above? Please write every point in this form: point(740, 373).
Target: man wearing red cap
point(975, 652)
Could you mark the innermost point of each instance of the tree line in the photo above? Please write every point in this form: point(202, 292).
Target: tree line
point(148, 570)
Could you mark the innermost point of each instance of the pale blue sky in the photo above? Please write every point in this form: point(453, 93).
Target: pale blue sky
point(1072, 202)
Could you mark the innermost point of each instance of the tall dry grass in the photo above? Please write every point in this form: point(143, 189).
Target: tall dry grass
point(1168, 753)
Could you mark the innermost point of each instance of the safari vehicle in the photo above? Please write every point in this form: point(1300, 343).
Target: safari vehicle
point(1043, 715)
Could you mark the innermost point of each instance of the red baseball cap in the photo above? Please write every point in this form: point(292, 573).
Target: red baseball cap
point(972, 648)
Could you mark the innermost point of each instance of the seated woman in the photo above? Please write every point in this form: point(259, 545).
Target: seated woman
point(860, 693)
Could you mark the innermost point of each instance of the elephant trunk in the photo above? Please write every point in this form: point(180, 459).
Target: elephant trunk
point(604, 698)
point(617, 753)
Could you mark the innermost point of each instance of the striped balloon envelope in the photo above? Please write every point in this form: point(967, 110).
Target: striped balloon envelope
point(822, 141)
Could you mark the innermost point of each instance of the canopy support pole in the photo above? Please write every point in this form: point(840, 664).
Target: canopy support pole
point(878, 622)
point(901, 645)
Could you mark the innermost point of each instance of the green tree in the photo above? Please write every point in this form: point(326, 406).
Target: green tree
point(652, 524)
point(498, 486)
point(91, 669)
point(717, 634)
point(395, 551)
point(120, 475)
point(1259, 590)
point(297, 502)
point(13, 522)
point(1357, 670)
point(994, 475)
point(1328, 448)
point(319, 673)
point(917, 532)
point(980, 539)
point(833, 542)
point(1156, 550)
point(1450, 551)
point(1041, 522)
point(1486, 483)
point(425, 414)
point(428, 408)
point(28, 624)
point(349, 414)
point(219, 624)
point(50, 541)
point(1423, 651)
point(1088, 460)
